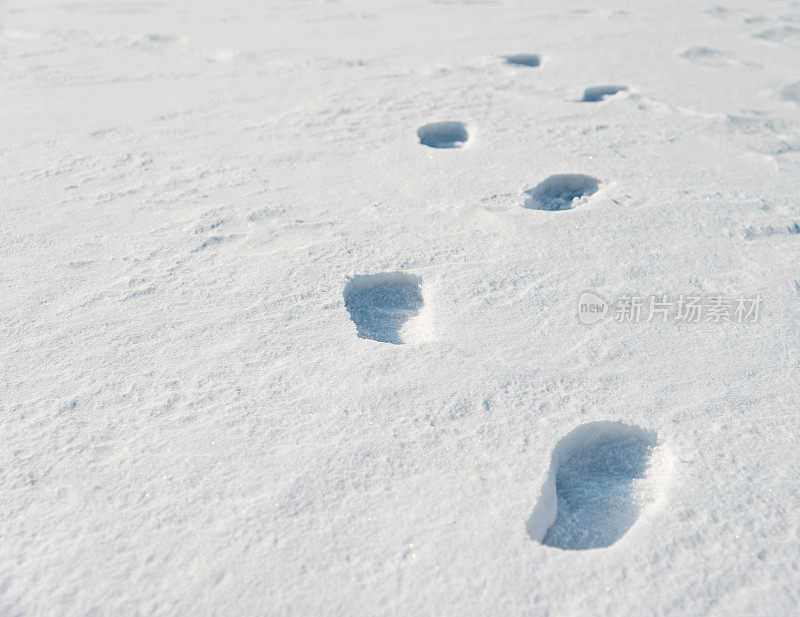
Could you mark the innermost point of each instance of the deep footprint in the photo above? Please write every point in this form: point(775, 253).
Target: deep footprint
point(596, 94)
point(381, 304)
point(600, 480)
point(531, 60)
point(561, 192)
point(449, 134)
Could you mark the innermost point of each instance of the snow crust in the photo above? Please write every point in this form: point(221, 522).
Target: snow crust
point(190, 423)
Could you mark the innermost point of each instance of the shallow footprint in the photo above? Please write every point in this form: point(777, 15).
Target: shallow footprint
point(791, 93)
point(381, 304)
point(600, 479)
point(531, 60)
point(595, 94)
point(450, 134)
point(781, 34)
point(714, 58)
point(561, 192)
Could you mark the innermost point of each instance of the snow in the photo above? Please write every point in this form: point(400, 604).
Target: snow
point(197, 418)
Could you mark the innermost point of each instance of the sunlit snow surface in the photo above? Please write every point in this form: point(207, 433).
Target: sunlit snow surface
point(288, 322)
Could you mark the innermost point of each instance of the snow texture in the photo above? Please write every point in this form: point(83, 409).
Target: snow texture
point(219, 220)
point(598, 93)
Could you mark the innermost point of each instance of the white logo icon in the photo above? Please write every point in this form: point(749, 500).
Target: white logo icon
point(591, 308)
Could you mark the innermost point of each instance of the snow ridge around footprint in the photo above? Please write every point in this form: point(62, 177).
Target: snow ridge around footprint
point(602, 476)
point(380, 306)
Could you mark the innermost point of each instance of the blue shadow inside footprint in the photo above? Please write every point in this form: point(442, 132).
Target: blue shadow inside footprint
point(598, 93)
point(560, 192)
point(381, 304)
point(450, 134)
point(531, 60)
point(596, 492)
point(602, 475)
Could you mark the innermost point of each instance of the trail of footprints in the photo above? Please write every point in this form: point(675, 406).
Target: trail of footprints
point(603, 475)
point(589, 499)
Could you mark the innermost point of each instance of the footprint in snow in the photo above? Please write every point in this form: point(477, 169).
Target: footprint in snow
point(755, 233)
point(602, 476)
point(781, 34)
point(380, 305)
point(791, 93)
point(595, 94)
point(531, 60)
point(707, 56)
point(155, 43)
point(450, 134)
point(561, 192)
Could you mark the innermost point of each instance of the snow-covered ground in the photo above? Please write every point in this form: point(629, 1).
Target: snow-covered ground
point(268, 348)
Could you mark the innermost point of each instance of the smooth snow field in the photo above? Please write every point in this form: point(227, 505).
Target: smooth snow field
point(421, 308)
